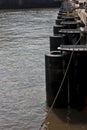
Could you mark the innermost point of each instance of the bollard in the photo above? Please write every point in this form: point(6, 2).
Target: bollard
point(54, 69)
point(56, 41)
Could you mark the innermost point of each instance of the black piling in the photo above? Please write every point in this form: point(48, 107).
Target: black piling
point(56, 29)
point(72, 35)
point(56, 41)
point(76, 75)
point(58, 21)
point(55, 67)
point(77, 80)
point(67, 33)
point(69, 24)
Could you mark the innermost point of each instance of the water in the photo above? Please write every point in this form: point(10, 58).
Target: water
point(24, 40)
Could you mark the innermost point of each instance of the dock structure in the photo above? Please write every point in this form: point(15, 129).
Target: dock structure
point(66, 64)
point(17, 4)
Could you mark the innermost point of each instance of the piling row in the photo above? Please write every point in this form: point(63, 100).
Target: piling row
point(65, 40)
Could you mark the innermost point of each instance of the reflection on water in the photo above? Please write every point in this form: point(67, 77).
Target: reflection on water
point(24, 39)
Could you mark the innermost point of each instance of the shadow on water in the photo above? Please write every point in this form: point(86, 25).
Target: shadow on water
point(67, 119)
point(74, 116)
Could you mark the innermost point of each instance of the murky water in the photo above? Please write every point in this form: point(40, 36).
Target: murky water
point(24, 40)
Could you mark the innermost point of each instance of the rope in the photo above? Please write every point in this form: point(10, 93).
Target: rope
point(59, 87)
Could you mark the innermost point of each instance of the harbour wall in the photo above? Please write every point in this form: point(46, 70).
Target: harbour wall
point(10, 4)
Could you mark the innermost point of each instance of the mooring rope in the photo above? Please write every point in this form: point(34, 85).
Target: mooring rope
point(60, 86)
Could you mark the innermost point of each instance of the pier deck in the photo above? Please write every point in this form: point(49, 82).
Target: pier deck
point(81, 11)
